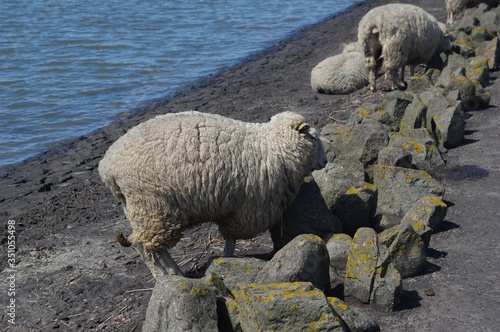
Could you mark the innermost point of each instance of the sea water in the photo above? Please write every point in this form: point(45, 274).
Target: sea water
point(68, 67)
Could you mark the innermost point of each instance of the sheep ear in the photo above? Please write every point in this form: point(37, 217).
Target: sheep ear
point(303, 127)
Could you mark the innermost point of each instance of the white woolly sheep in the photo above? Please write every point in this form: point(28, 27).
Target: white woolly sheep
point(400, 35)
point(180, 170)
point(340, 74)
point(454, 7)
point(352, 47)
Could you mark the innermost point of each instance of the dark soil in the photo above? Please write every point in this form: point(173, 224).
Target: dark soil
point(70, 274)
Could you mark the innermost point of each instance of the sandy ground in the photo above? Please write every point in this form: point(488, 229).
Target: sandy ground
point(70, 274)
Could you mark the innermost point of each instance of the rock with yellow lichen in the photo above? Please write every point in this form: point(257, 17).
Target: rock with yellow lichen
point(389, 113)
point(490, 49)
point(336, 178)
point(305, 258)
point(430, 210)
point(308, 214)
point(395, 156)
point(285, 307)
point(233, 270)
point(449, 126)
point(356, 207)
point(414, 116)
point(354, 318)
point(403, 247)
point(422, 147)
point(181, 304)
point(400, 188)
point(371, 278)
point(352, 145)
point(338, 249)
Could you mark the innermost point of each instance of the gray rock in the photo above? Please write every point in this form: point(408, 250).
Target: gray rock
point(356, 207)
point(449, 126)
point(419, 143)
point(405, 249)
point(463, 47)
point(362, 263)
point(308, 214)
point(400, 188)
point(387, 289)
point(227, 310)
point(233, 270)
point(355, 319)
point(477, 69)
point(478, 35)
point(296, 306)
point(371, 278)
point(490, 50)
point(393, 156)
point(464, 85)
point(338, 248)
point(395, 105)
point(414, 116)
point(489, 17)
point(181, 304)
point(359, 143)
point(429, 210)
point(305, 258)
point(336, 178)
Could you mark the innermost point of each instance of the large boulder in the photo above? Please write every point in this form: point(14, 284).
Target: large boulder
point(405, 249)
point(356, 207)
point(181, 304)
point(294, 306)
point(305, 258)
point(308, 214)
point(233, 270)
point(371, 278)
point(400, 188)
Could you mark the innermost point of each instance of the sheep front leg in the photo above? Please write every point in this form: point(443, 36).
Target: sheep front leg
point(229, 246)
point(166, 263)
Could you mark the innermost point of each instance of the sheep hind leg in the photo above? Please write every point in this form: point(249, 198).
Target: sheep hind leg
point(229, 246)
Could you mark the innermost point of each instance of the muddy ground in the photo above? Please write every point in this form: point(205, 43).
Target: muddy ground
point(70, 274)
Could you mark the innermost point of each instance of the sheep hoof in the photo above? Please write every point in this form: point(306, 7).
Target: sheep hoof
point(122, 239)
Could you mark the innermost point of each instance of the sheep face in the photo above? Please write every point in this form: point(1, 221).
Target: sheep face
point(321, 160)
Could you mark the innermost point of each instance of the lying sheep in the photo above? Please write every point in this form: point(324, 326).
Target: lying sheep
point(340, 74)
point(454, 7)
point(180, 170)
point(399, 34)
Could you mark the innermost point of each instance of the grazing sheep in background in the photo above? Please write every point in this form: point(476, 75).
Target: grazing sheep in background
point(454, 7)
point(178, 171)
point(400, 34)
point(340, 74)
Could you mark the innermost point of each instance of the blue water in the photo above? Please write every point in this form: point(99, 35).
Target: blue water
point(68, 67)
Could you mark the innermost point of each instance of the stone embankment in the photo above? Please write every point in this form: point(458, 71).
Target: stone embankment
point(359, 226)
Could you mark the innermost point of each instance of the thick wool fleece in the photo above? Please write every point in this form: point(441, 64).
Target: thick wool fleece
point(179, 170)
point(400, 34)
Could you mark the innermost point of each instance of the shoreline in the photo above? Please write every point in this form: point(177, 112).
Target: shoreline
point(198, 83)
point(72, 274)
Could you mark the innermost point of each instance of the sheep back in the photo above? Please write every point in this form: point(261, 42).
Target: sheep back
point(401, 34)
point(339, 74)
point(180, 170)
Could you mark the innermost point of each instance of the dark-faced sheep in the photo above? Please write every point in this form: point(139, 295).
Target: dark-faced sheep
point(178, 171)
